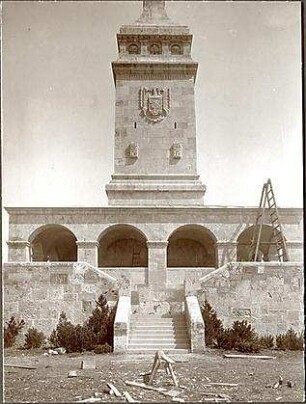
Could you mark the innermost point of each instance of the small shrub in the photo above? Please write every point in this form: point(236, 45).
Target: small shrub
point(103, 349)
point(101, 322)
point(53, 339)
point(213, 325)
point(33, 338)
point(241, 337)
point(266, 341)
point(290, 340)
point(97, 330)
point(11, 331)
point(225, 340)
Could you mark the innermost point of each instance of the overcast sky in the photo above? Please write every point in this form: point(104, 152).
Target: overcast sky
point(58, 99)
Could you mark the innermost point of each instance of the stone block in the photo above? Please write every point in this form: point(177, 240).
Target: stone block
point(87, 306)
point(241, 312)
point(58, 278)
point(88, 364)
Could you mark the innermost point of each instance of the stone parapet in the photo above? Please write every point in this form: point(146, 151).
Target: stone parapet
point(195, 324)
point(269, 295)
point(121, 326)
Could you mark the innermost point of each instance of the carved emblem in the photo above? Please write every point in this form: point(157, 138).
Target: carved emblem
point(133, 150)
point(154, 103)
point(177, 151)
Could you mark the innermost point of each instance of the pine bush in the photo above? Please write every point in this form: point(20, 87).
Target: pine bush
point(33, 338)
point(11, 331)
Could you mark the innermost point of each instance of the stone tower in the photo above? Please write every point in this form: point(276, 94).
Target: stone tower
point(155, 159)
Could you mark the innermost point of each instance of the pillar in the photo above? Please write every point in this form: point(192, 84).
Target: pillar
point(157, 264)
point(295, 251)
point(88, 252)
point(226, 252)
point(18, 251)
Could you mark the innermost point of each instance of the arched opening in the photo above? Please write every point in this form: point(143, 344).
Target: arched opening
point(53, 243)
point(191, 246)
point(122, 246)
point(266, 249)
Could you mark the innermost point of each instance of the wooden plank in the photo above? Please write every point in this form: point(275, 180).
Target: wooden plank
point(224, 384)
point(114, 389)
point(19, 366)
point(172, 374)
point(128, 397)
point(248, 356)
point(146, 386)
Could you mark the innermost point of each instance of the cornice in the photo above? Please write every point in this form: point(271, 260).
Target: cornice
point(235, 210)
point(154, 70)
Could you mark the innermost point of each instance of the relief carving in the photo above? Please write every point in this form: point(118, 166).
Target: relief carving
point(177, 151)
point(133, 150)
point(154, 103)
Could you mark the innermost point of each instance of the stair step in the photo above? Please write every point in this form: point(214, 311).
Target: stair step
point(157, 322)
point(153, 340)
point(157, 347)
point(151, 351)
point(159, 334)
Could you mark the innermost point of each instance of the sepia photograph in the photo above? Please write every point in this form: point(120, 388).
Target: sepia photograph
point(152, 201)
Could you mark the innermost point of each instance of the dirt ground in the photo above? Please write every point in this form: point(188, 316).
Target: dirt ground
point(49, 382)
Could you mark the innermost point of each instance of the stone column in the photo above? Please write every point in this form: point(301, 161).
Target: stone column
point(88, 252)
point(226, 252)
point(157, 264)
point(18, 251)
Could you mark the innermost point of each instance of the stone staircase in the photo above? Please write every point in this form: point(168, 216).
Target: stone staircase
point(150, 333)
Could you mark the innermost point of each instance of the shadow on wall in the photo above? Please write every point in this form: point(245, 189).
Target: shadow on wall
point(53, 243)
point(191, 246)
point(267, 248)
point(122, 246)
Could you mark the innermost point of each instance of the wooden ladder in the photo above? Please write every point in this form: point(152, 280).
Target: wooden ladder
point(268, 199)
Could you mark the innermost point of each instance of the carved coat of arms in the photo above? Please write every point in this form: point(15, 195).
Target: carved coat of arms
point(154, 103)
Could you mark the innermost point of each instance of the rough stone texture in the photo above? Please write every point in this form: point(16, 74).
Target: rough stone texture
point(19, 250)
point(88, 252)
point(39, 292)
point(121, 327)
point(157, 274)
point(269, 296)
point(195, 324)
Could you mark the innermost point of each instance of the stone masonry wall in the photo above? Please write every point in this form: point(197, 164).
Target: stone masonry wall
point(39, 292)
point(269, 296)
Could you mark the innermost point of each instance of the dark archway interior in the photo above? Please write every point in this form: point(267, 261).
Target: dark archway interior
point(191, 246)
point(54, 243)
point(267, 248)
point(123, 246)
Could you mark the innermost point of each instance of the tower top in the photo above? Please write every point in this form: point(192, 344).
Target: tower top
point(154, 20)
point(154, 13)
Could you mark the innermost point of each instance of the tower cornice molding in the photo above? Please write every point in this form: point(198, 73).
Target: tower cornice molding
point(154, 70)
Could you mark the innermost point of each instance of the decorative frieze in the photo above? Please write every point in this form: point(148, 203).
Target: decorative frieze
point(151, 71)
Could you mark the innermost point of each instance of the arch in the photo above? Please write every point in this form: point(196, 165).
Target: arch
point(122, 245)
point(53, 242)
point(267, 248)
point(191, 246)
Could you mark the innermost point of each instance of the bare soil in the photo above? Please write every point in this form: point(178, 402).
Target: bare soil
point(49, 382)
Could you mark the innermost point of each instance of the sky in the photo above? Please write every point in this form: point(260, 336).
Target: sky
point(58, 99)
